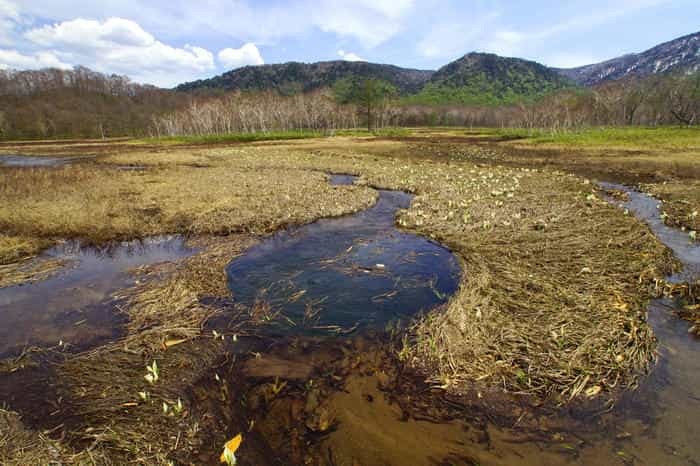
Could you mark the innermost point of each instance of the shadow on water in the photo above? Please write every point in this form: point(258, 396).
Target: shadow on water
point(75, 305)
point(339, 274)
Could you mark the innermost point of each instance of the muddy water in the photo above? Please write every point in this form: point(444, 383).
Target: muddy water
point(340, 274)
point(74, 306)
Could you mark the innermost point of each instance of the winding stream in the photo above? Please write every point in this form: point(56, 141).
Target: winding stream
point(339, 274)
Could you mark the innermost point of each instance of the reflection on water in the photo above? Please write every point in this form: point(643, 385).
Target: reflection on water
point(340, 273)
point(74, 306)
point(29, 161)
point(670, 397)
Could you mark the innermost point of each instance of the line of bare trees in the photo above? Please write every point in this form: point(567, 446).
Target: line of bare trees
point(652, 101)
point(259, 112)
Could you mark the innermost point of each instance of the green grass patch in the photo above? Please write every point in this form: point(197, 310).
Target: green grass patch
point(232, 137)
point(625, 137)
point(266, 136)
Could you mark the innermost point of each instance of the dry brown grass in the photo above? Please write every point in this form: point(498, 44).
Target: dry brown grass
point(101, 203)
point(14, 248)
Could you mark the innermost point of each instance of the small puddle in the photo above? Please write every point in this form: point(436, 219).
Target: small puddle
point(340, 274)
point(26, 161)
point(75, 305)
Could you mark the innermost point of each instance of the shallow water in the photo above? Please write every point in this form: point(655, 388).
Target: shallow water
point(74, 306)
point(654, 425)
point(648, 209)
point(30, 161)
point(342, 273)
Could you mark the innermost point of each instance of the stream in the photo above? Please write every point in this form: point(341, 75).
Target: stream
point(339, 274)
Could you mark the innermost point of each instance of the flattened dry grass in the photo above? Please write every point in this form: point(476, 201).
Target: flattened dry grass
point(553, 297)
point(16, 264)
point(13, 248)
point(101, 203)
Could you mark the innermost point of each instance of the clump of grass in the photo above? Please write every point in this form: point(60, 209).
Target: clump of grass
point(681, 202)
point(14, 248)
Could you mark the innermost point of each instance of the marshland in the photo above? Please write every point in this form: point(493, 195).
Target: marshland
point(484, 297)
point(488, 261)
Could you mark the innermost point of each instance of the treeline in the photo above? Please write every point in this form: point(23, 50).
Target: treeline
point(81, 103)
point(351, 103)
point(254, 113)
point(652, 101)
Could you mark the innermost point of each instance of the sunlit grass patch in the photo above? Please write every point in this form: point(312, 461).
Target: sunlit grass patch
point(667, 137)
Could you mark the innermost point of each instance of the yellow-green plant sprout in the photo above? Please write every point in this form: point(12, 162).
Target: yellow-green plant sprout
point(153, 373)
point(179, 407)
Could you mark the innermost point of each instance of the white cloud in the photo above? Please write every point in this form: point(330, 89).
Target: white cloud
point(248, 54)
point(490, 32)
point(349, 56)
point(122, 46)
point(371, 22)
point(9, 16)
point(12, 59)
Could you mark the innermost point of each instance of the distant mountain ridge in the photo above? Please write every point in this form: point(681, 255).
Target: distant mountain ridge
point(486, 78)
point(475, 78)
point(292, 77)
point(678, 55)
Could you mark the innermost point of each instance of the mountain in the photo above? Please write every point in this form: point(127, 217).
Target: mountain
point(293, 77)
point(488, 79)
point(678, 55)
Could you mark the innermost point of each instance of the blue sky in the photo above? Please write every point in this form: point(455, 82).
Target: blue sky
point(166, 42)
